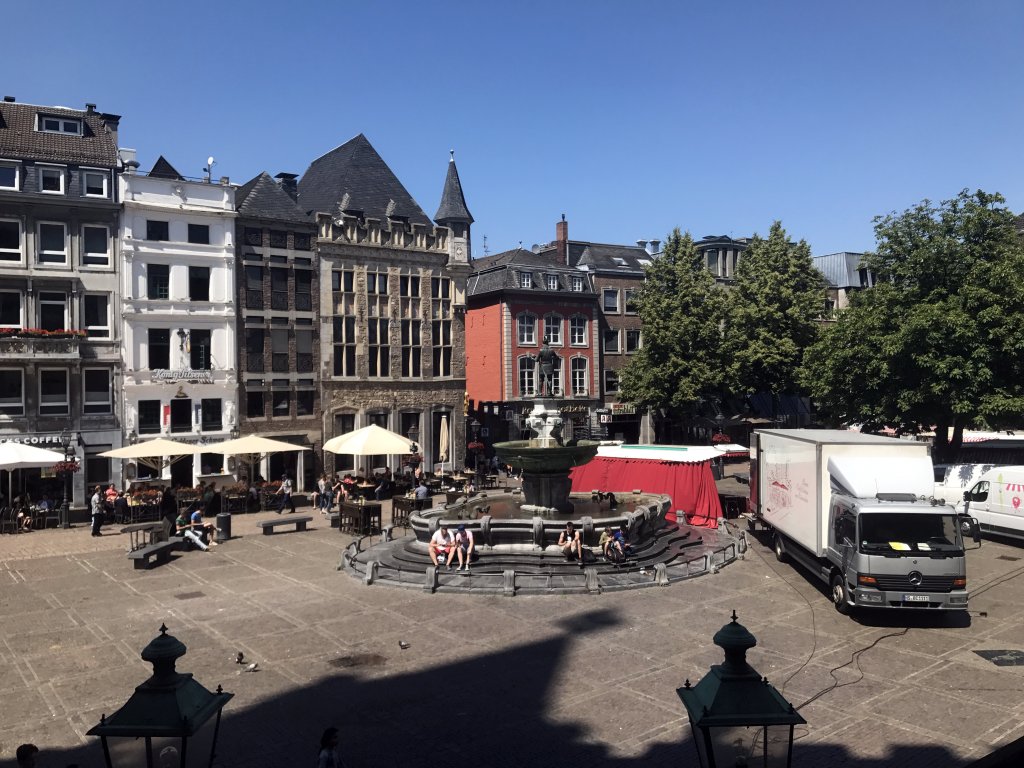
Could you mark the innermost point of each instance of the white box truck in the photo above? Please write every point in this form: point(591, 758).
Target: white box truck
point(856, 511)
point(996, 501)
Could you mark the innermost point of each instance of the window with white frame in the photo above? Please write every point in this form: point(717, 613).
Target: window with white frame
point(95, 183)
point(628, 304)
point(11, 315)
point(95, 245)
point(527, 325)
point(632, 341)
point(526, 376)
point(10, 240)
point(12, 392)
point(54, 392)
point(52, 124)
point(611, 382)
point(611, 341)
point(53, 311)
point(52, 239)
point(577, 283)
point(97, 396)
point(578, 331)
point(552, 282)
point(96, 315)
point(10, 175)
point(578, 376)
point(525, 280)
point(51, 179)
point(610, 299)
point(553, 330)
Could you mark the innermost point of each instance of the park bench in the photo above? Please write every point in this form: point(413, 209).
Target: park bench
point(268, 526)
point(160, 551)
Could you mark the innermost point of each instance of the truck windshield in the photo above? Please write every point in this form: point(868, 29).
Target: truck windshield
point(893, 532)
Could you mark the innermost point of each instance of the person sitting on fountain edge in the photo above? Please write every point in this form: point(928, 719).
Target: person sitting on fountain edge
point(569, 541)
point(464, 545)
point(441, 543)
point(610, 546)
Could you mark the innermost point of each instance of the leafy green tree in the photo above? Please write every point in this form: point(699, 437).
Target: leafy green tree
point(681, 310)
point(772, 314)
point(939, 341)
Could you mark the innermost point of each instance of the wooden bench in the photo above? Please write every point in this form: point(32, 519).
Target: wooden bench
point(161, 552)
point(299, 522)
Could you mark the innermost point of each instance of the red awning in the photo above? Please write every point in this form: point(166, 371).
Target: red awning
point(691, 486)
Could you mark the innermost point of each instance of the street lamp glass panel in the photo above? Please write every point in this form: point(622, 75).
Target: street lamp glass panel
point(746, 746)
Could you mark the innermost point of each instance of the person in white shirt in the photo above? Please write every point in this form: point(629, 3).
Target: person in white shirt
point(442, 544)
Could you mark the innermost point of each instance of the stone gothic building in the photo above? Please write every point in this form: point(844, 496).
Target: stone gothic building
point(392, 304)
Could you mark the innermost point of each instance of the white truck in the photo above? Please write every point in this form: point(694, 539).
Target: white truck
point(856, 511)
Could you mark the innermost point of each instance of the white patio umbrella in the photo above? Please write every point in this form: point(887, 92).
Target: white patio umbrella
point(250, 447)
point(20, 456)
point(370, 441)
point(444, 441)
point(152, 452)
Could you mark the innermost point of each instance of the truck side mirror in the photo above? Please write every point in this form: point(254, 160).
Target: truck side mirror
point(967, 496)
point(975, 531)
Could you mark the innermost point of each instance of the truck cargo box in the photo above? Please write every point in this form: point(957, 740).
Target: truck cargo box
point(794, 479)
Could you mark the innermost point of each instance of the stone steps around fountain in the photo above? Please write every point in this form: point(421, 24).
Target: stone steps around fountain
point(670, 544)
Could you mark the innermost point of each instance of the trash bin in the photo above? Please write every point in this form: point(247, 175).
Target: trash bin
point(223, 526)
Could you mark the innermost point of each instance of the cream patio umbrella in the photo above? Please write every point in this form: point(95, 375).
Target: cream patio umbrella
point(20, 456)
point(251, 446)
point(444, 442)
point(152, 452)
point(370, 441)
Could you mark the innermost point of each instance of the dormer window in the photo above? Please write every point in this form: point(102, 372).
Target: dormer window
point(525, 280)
point(95, 183)
point(552, 282)
point(577, 283)
point(9, 172)
point(619, 261)
point(63, 125)
point(51, 180)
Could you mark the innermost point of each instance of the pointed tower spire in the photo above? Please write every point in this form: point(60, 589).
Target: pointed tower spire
point(453, 204)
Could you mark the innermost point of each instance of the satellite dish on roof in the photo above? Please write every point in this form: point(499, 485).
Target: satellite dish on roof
point(210, 160)
point(535, 248)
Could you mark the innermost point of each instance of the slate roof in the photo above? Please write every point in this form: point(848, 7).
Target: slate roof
point(501, 272)
point(19, 138)
point(356, 170)
point(453, 202)
point(164, 170)
point(840, 269)
point(263, 198)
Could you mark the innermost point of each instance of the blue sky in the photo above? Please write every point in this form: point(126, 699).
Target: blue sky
point(629, 118)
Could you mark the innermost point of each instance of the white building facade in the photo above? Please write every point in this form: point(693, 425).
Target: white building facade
point(179, 348)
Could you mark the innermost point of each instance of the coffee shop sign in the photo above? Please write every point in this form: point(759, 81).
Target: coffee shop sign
point(183, 374)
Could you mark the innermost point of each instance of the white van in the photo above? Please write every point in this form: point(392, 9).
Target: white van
point(996, 501)
point(957, 478)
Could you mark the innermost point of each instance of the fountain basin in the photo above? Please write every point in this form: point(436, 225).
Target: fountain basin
point(536, 456)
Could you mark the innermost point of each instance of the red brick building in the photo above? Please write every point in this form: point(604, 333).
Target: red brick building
point(515, 301)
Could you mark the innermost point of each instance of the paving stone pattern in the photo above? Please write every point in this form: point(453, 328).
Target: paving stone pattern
point(567, 680)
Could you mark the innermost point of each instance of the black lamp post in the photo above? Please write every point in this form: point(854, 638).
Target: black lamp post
point(737, 718)
point(69, 457)
point(474, 425)
point(171, 721)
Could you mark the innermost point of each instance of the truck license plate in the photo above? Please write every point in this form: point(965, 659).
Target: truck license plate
point(915, 598)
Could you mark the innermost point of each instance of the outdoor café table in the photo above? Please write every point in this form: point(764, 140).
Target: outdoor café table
point(363, 519)
point(142, 534)
point(401, 508)
point(235, 504)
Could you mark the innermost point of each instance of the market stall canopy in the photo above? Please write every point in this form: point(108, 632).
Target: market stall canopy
point(370, 441)
point(21, 456)
point(152, 449)
point(250, 444)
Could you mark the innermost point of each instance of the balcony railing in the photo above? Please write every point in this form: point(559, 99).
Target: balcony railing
point(279, 362)
point(46, 347)
point(279, 300)
point(254, 299)
point(304, 302)
point(303, 363)
point(254, 364)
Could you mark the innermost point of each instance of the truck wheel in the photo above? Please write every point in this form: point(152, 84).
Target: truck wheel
point(780, 550)
point(839, 595)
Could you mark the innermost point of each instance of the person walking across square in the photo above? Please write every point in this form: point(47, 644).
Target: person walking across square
point(285, 492)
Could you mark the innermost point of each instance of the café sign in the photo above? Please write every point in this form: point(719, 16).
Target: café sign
point(623, 409)
point(168, 376)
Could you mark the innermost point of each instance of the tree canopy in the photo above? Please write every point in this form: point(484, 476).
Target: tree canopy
point(772, 314)
point(681, 308)
point(939, 341)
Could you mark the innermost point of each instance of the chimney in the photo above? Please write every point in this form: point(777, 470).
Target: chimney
point(654, 246)
point(641, 244)
point(90, 109)
point(288, 184)
point(562, 241)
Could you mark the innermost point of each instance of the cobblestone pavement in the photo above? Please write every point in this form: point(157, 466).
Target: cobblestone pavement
point(524, 681)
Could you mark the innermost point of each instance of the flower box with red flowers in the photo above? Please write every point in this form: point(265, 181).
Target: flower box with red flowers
point(66, 466)
point(721, 438)
point(476, 446)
